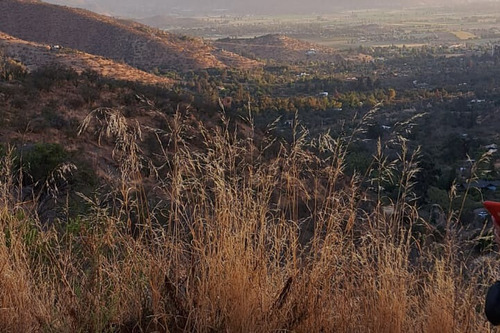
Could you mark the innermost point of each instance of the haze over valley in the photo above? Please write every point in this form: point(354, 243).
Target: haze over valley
point(139, 9)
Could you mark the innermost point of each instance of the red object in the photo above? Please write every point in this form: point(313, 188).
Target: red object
point(494, 208)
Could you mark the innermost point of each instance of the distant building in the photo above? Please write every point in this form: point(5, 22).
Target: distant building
point(492, 148)
point(311, 52)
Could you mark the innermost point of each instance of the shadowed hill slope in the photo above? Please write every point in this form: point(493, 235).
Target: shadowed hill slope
point(277, 47)
point(34, 55)
point(137, 45)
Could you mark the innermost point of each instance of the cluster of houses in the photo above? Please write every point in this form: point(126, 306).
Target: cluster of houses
point(310, 52)
point(55, 47)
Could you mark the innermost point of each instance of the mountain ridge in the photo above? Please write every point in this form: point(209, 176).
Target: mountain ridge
point(133, 43)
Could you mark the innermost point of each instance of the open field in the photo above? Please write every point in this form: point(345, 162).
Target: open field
point(464, 35)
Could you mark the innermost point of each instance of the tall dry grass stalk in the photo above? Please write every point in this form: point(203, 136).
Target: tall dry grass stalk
point(242, 235)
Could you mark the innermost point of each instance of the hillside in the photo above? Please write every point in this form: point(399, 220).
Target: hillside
point(277, 47)
point(169, 223)
point(34, 56)
point(314, 197)
point(135, 44)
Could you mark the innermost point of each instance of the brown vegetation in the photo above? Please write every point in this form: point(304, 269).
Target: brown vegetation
point(246, 238)
point(34, 56)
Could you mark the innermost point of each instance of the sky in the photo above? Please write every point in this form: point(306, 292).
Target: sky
point(145, 8)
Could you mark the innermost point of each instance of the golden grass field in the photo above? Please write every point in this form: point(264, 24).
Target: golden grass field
point(245, 239)
point(463, 35)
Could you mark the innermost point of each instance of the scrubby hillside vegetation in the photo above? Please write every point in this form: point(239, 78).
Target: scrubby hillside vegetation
point(133, 208)
point(302, 191)
point(33, 55)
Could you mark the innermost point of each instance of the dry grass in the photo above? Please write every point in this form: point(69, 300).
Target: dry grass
point(464, 35)
point(250, 236)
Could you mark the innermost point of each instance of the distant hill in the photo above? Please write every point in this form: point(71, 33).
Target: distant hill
point(133, 43)
point(34, 55)
point(277, 47)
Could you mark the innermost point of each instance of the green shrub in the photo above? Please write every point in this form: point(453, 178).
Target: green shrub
point(46, 77)
point(40, 159)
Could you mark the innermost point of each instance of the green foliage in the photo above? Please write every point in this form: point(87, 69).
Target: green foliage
point(427, 176)
point(46, 77)
point(40, 159)
point(455, 147)
point(374, 131)
point(438, 196)
point(358, 161)
point(75, 226)
point(53, 118)
point(88, 92)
